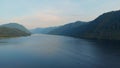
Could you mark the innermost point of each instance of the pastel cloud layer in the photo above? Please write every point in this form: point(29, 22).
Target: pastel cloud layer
point(45, 13)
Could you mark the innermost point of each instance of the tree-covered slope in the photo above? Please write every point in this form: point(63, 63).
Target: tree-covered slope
point(106, 26)
point(13, 30)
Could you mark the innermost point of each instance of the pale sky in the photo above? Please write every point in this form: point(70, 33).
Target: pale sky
point(46, 13)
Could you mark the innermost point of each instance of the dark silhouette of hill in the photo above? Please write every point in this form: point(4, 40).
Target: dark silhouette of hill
point(68, 29)
point(106, 26)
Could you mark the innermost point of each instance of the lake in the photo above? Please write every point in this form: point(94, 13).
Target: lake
point(49, 51)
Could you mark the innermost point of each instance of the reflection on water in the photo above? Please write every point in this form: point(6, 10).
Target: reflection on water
point(46, 51)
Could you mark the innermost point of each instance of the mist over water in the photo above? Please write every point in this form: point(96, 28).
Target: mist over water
point(49, 51)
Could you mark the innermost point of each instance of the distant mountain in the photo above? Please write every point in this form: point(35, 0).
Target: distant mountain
point(68, 29)
point(42, 30)
point(106, 26)
point(13, 30)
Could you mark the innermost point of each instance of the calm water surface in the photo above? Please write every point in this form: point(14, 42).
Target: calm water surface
point(48, 51)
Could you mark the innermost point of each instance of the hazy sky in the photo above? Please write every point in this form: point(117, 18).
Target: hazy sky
point(44, 13)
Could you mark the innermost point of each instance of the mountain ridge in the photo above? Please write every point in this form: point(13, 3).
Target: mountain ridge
point(13, 30)
point(106, 26)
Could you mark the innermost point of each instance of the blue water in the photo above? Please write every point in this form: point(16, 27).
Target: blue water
point(49, 51)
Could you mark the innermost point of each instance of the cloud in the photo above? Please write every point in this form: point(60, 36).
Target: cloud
point(44, 18)
point(45, 13)
point(39, 19)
